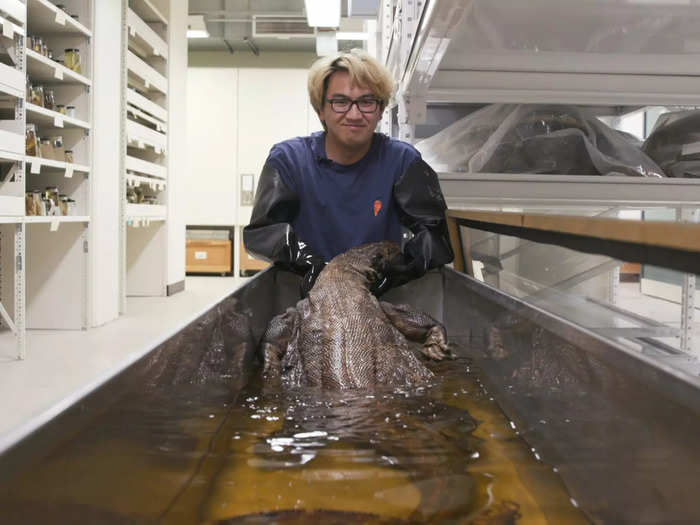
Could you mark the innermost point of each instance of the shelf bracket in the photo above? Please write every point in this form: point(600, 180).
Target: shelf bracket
point(8, 320)
point(412, 111)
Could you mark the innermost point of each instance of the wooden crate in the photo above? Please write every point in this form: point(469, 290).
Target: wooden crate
point(248, 262)
point(208, 256)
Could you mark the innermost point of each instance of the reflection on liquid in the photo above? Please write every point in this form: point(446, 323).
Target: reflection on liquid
point(442, 453)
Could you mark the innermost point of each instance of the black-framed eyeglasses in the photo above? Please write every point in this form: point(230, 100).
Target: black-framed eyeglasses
point(343, 105)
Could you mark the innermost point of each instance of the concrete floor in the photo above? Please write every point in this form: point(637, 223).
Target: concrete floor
point(61, 366)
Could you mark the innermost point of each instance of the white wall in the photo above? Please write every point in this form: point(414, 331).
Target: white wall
point(234, 116)
point(210, 181)
point(177, 140)
point(104, 242)
point(273, 106)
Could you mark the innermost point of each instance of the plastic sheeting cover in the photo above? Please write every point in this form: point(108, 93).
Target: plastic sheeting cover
point(604, 27)
point(541, 139)
point(674, 143)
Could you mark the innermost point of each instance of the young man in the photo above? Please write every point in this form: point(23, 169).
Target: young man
point(320, 195)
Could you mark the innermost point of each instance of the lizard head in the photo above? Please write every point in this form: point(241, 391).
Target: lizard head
point(370, 260)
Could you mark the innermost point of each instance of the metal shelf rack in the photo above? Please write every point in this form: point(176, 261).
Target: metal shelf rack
point(600, 53)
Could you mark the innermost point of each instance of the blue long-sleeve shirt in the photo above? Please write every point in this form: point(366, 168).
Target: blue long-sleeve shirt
point(342, 206)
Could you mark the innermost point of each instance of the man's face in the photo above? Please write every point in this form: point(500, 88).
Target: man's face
point(353, 128)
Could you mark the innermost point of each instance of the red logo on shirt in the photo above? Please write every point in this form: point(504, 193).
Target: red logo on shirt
point(377, 207)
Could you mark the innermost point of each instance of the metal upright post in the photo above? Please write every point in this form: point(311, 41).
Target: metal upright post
point(687, 296)
point(20, 266)
point(687, 312)
point(386, 18)
point(20, 290)
point(407, 128)
point(122, 162)
point(614, 285)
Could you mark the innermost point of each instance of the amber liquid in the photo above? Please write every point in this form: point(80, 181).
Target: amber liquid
point(439, 454)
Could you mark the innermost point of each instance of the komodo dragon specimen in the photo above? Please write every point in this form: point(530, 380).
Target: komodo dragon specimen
point(342, 337)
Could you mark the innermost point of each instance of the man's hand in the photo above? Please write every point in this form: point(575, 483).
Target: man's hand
point(400, 270)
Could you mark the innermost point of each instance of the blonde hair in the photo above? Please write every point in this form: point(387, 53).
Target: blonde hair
point(364, 70)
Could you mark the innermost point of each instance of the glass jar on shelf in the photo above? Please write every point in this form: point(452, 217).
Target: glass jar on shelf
point(36, 44)
point(37, 96)
point(49, 99)
point(131, 196)
point(70, 111)
point(60, 108)
point(45, 148)
point(71, 206)
point(63, 200)
point(29, 204)
point(53, 203)
point(139, 194)
point(72, 59)
point(31, 141)
point(69, 156)
point(39, 208)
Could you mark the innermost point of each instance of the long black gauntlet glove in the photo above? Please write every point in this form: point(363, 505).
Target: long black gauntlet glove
point(418, 195)
point(270, 235)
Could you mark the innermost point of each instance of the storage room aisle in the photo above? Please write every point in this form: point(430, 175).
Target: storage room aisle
point(62, 366)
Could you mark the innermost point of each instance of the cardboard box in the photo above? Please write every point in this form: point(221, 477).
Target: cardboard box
point(208, 256)
point(248, 262)
point(631, 268)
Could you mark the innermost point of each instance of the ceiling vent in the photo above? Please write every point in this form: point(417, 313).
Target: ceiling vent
point(269, 26)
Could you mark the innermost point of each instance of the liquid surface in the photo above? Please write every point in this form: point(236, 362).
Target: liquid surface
point(442, 454)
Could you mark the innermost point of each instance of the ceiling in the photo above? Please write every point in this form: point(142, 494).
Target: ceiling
point(239, 26)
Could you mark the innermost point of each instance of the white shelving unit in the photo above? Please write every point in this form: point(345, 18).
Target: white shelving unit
point(610, 55)
point(63, 272)
point(13, 18)
point(442, 51)
point(56, 246)
point(45, 17)
point(146, 53)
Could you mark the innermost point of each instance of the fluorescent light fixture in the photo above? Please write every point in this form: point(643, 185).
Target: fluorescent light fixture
point(323, 13)
point(349, 35)
point(196, 27)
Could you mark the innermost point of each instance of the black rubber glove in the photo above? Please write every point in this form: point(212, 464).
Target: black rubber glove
point(270, 235)
point(381, 285)
point(307, 283)
point(422, 209)
point(400, 270)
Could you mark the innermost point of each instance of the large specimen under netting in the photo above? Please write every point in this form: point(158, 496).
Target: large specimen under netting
point(341, 336)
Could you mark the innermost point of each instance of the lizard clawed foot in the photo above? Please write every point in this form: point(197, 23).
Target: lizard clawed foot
point(435, 351)
point(435, 346)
